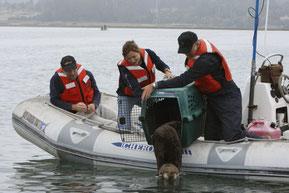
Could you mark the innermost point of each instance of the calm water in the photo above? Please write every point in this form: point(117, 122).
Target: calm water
point(29, 57)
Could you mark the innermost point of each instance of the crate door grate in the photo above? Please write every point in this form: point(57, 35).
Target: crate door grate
point(136, 132)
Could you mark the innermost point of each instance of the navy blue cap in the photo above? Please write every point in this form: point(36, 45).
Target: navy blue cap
point(186, 41)
point(68, 63)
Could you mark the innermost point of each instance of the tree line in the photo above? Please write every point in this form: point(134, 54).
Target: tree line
point(197, 13)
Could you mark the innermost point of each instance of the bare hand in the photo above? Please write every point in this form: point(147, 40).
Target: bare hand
point(168, 74)
point(147, 90)
point(79, 107)
point(90, 108)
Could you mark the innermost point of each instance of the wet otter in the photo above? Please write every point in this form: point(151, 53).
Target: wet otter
point(168, 149)
point(168, 171)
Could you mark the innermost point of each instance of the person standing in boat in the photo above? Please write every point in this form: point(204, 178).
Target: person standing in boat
point(208, 68)
point(137, 70)
point(73, 88)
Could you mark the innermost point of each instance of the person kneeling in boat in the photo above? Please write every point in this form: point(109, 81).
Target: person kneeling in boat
point(137, 70)
point(209, 69)
point(73, 88)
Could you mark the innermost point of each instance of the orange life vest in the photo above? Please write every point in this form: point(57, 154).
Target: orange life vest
point(72, 93)
point(207, 83)
point(144, 77)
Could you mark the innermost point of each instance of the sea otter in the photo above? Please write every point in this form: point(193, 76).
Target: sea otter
point(168, 149)
point(168, 171)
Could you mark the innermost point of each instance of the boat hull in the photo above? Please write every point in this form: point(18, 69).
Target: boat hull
point(70, 138)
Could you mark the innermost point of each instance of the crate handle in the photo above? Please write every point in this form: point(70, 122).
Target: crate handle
point(187, 119)
point(198, 113)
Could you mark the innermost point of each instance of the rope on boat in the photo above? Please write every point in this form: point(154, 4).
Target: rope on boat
point(246, 139)
point(85, 119)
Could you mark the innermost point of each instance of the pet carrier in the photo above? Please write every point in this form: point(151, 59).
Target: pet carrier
point(184, 104)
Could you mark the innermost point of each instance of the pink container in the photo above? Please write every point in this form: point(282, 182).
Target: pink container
point(262, 128)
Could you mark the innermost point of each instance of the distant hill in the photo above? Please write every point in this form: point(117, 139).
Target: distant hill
point(15, 1)
point(231, 14)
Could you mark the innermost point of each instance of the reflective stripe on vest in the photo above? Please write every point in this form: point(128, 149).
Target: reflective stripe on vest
point(145, 57)
point(209, 47)
point(61, 74)
point(80, 70)
point(141, 79)
point(70, 85)
point(85, 79)
point(134, 68)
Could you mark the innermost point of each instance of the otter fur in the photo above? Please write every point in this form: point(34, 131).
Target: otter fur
point(168, 171)
point(168, 149)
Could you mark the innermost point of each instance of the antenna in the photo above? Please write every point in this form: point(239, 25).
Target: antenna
point(266, 27)
point(253, 66)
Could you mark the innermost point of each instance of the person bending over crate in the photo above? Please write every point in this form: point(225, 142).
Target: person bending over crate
point(207, 67)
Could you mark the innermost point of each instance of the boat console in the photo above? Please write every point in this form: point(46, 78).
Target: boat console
point(271, 99)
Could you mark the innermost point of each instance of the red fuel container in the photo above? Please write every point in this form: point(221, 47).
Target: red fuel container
point(264, 128)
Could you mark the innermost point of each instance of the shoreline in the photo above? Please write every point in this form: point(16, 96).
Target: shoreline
point(119, 25)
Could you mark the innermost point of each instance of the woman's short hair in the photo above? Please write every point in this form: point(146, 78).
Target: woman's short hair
point(129, 46)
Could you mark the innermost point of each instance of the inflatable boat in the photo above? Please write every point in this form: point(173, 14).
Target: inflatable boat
point(79, 138)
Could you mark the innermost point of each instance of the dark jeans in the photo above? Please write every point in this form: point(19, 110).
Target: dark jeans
point(224, 115)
